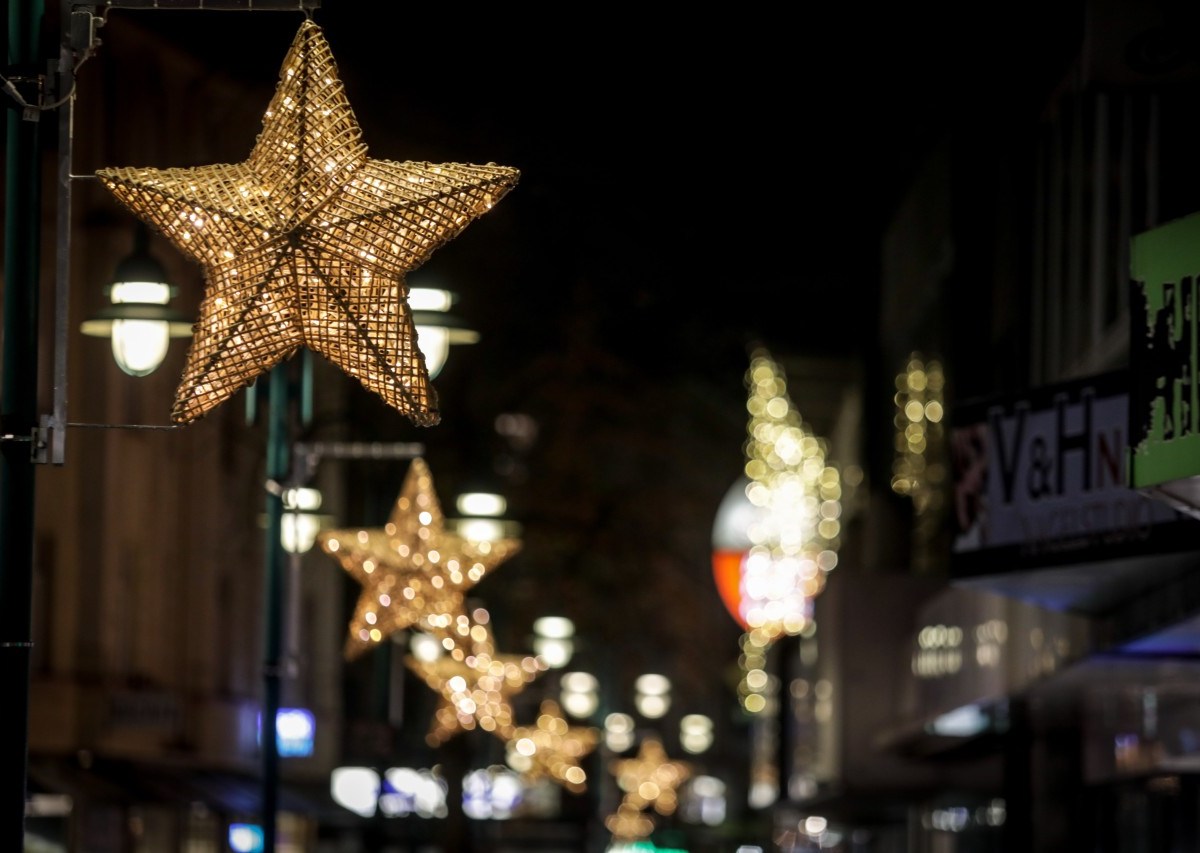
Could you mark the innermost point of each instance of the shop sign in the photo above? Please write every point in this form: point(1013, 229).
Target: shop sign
point(1043, 475)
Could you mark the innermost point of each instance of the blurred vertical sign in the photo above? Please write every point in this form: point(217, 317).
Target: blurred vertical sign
point(1164, 412)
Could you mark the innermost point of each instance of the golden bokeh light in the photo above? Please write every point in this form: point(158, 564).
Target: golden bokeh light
point(554, 748)
point(475, 691)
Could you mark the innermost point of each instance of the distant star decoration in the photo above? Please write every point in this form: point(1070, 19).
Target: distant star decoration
point(413, 573)
point(650, 778)
point(475, 691)
point(553, 748)
point(307, 243)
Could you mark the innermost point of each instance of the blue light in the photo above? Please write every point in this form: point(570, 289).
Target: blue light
point(245, 838)
point(295, 729)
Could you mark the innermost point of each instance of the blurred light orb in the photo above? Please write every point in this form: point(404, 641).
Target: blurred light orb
point(618, 732)
point(579, 694)
point(552, 640)
point(653, 697)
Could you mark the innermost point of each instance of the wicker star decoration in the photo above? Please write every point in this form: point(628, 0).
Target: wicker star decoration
point(307, 243)
point(553, 748)
point(475, 691)
point(629, 823)
point(650, 778)
point(413, 572)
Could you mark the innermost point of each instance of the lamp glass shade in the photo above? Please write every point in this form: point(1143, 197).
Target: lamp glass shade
point(434, 343)
point(298, 531)
point(481, 529)
point(429, 299)
point(139, 346)
point(554, 627)
point(555, 651)
point(578, 703)
point(436, 327)
point(652, 706)
point(487, 504)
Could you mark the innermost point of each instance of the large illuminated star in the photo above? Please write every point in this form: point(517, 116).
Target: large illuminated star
point(413, 572)
point(307, 243)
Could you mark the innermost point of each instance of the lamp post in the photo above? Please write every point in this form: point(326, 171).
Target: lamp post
point(18, 401)
point(277, 464)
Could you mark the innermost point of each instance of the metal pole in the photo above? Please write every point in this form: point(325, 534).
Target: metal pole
point(277, 468)
point(18, 402)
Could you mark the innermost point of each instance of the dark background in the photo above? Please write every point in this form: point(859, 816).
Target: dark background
point(692, 185)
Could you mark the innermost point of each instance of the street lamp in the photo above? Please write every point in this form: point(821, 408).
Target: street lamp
point(653, 696)
point(301, 522)
point(481, 517)
point(552, 640)
point(579, 694)
point(695, 733)
point(620, 731)
point(436, 327)
point(138, 321)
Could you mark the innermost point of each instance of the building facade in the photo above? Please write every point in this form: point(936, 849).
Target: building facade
point(1041, 677)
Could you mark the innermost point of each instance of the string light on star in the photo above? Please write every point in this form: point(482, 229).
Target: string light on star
point(307, 243)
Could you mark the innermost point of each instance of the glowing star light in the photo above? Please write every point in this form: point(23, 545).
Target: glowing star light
point(413, 572)
point(475, 691)
point(650, 778)
point(552, 748)
point(307, 243)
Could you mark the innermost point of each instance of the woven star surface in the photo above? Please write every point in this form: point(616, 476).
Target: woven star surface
point(551, 747)
point(414, 573)
point(475, 691)
point(307, 243)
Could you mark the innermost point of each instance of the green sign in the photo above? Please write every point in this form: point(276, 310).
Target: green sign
point(1164, 401)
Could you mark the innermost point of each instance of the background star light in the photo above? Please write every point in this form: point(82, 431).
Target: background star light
point(413, 572)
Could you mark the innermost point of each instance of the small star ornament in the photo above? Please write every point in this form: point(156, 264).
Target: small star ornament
point(475, 691)
point(552, 748)
point(629, 823)
point(650, 778)
point(307, 243)
point(413, 572)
